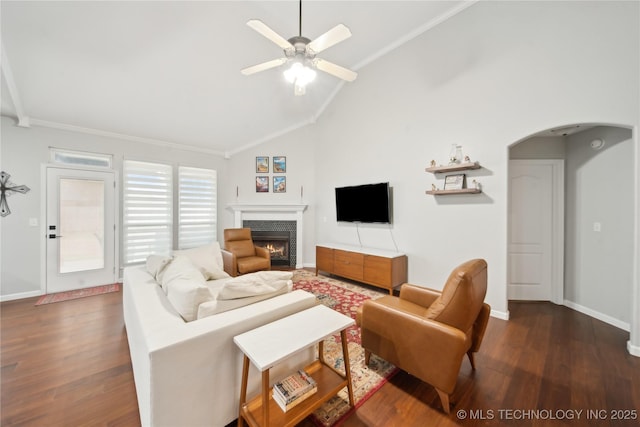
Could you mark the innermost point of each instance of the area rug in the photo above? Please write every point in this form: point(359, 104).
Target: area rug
point(345, 298)
point(78, 293)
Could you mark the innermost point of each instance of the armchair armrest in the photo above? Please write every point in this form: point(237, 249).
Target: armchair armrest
point(418, 294)
point(263, 252)
point(230, 262)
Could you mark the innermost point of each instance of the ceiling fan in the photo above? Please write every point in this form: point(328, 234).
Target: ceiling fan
point(301, 53)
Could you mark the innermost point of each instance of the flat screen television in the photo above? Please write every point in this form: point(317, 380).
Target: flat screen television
point(369, 203)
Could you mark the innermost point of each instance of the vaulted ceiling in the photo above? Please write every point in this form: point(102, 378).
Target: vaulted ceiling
point(169, 71)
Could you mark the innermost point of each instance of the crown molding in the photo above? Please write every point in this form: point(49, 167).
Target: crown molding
point(124, 137)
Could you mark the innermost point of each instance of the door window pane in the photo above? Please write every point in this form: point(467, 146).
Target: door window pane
point(81, 225)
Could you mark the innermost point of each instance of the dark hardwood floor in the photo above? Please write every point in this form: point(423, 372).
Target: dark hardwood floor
point(67, 364)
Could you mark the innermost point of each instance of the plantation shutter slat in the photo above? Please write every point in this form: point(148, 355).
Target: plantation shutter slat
point(147, 210)
point(197, 189)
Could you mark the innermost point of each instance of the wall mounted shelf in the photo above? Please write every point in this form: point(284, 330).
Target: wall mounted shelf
point(450, 192)
point(454, 167)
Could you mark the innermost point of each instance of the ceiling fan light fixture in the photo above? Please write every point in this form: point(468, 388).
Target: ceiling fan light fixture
point(300, 75)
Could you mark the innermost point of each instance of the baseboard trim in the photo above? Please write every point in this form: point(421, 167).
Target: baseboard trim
point(633, 350)
point(597, 315)
point(503, 315)
point(21, 295)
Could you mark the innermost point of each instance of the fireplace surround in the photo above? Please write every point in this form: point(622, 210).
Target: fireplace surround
point(255, 216)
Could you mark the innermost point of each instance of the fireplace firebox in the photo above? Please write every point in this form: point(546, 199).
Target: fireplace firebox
point(277, 242)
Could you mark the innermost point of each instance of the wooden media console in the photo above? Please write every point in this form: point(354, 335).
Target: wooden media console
point(377, 267)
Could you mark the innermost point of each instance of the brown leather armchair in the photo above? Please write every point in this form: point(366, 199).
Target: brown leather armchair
point(427, 332)
point(240, 255)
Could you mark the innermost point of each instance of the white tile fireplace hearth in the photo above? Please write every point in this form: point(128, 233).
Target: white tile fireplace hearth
point(273, 212)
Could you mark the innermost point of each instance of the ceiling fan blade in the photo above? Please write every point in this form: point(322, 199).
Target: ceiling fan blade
point(334, 36)
point(264, 66)
point(263, 29)
point(336, 70)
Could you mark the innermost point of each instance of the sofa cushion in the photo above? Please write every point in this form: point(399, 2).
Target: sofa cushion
point(252, 284)
point(185, 287)
point(208, 259)
point(279, 281)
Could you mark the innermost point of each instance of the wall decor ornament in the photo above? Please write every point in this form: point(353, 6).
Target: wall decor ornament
point(262, 184)
point(262, 164)
point(279, 164)
point(455, 182)
point(279, 184)
point(7, 188)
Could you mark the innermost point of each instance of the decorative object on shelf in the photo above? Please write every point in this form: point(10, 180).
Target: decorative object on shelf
point(279, 164)
point(455, 182)
point(476, 185)
point(279, 184)
point(455, 155)
point(451, 181)
point(262, 164)
point(262, 184)
point(467, 159)
point(7, 188)
point(433, 163)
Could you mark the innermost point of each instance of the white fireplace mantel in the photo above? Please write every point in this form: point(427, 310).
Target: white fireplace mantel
point(273, 212)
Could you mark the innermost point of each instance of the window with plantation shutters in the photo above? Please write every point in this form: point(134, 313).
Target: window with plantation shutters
point(197, 207)
point(147, 210)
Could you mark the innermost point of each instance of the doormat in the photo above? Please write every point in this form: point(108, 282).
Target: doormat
point(366, 379)
point(78, 293)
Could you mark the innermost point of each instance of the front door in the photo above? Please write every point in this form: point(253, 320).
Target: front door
point(80, 229)
point(536, 232)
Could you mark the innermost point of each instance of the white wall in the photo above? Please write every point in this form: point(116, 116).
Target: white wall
point(300, 148)
point(488, 77)
point(600, 186)
point(539, 147)
point(22, 153)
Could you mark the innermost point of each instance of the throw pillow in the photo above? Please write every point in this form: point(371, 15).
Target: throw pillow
point(185, 287)
point(186, 296)
point(156, 264)
point(180, 267)
point(208, 259)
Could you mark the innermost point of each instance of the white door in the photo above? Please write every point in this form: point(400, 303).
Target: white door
point(536, 230)
point(80, 229)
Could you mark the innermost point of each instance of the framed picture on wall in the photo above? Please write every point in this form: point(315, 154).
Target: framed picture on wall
point(262, 164)
point(279, 164)
point(279, 184)
point(262, 184)
point(454, 182)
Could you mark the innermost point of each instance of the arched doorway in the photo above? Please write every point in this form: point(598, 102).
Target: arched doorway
point(599, 238)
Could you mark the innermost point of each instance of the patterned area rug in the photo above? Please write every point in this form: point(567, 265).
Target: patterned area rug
point(345, 298)
point(78, 293)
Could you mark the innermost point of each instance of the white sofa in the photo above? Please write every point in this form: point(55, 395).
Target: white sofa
point(187, 374)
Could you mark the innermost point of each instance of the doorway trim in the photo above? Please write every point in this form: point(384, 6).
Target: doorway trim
point(557, 224)
point(43, 219)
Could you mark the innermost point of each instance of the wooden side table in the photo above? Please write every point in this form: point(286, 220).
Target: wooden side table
point(272, 343)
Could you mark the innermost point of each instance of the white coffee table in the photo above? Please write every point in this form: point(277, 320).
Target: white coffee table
point(272, 343)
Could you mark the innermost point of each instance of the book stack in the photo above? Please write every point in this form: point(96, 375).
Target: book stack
point(293, 389)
